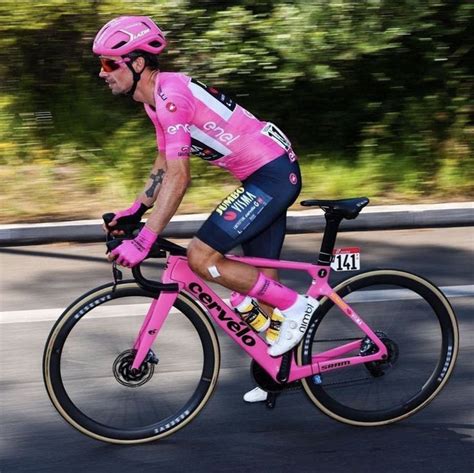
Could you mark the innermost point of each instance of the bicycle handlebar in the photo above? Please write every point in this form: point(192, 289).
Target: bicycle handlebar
point(127, 228)
point(158, 250)
point(150, 285)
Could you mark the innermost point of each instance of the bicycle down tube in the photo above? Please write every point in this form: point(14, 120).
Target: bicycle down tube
point(178, 271)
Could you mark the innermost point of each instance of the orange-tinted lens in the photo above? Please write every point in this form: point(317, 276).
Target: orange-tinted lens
point(108, 65)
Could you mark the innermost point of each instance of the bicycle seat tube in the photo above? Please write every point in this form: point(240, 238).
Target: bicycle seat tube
point(329, 239)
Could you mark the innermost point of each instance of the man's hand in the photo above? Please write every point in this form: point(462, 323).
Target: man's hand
point(132, 252)
point(130, 216)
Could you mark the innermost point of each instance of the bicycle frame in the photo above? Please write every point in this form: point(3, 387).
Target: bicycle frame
point(178, 271)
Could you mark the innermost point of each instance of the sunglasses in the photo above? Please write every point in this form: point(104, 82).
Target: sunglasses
point(110, 65)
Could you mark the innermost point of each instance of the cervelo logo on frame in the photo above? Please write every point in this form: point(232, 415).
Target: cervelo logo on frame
point(220, 133)
point(173, 129)
point(239, 328)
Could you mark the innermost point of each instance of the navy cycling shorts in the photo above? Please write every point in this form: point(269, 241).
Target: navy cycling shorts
point(254, 214)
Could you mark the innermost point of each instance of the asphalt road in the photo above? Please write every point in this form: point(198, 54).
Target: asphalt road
point(38, 281)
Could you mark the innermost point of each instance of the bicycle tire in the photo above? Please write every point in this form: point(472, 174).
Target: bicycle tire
point(363, 401)
point(70, 405)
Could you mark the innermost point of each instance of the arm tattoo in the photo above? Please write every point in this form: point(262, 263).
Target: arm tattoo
point(156, 180)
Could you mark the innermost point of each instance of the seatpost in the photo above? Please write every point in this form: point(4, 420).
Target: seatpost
point(329, 238)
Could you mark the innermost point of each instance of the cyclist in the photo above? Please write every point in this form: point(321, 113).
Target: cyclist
point(192, 118)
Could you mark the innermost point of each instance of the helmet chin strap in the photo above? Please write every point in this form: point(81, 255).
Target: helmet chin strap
point(136, 78)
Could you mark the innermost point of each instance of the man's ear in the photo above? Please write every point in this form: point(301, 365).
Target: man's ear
point(138, 64)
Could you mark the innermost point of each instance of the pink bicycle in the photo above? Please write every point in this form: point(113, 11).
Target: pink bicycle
point(135, 361)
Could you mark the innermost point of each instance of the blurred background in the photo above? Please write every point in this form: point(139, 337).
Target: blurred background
point(376, 96)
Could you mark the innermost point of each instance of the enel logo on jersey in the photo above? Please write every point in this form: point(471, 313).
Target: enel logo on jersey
point(220, 133)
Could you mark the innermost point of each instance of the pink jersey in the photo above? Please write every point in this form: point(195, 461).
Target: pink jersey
point(191, 118)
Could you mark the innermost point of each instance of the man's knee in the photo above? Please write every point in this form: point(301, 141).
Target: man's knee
point(203, 259)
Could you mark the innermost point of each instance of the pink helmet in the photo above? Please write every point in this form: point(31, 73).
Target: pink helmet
point(125, 34)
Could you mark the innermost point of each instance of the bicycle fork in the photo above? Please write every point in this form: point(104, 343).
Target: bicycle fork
point(152, 324)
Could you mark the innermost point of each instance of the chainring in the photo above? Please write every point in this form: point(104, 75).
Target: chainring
point(267, 383)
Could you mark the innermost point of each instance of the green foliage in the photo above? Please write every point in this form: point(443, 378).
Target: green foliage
point(360, 86)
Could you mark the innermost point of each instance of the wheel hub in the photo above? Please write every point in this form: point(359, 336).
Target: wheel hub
point(380, 367)
point(133, 378)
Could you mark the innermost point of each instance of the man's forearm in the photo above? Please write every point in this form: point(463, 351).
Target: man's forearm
point(172, 191)
point(154, 182)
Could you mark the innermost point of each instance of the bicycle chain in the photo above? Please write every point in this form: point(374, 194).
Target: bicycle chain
point(349, 381)
point(338, 340)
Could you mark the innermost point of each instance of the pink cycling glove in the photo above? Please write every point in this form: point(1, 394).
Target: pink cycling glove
point(132, 215)
point(132, 252)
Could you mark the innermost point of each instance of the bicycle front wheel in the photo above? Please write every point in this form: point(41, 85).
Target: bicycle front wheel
point(87, 366)
point(418, 326)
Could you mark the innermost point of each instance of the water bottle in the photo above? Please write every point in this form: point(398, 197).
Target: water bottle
point(249, 310)
point(273, 331)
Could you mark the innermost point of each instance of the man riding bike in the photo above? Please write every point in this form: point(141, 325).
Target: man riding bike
point(192, 118)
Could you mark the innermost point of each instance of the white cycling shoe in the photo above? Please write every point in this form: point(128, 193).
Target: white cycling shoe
point(294, 326)
point(256, 395)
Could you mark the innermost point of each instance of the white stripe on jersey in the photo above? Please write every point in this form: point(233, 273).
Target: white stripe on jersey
point(209, 141)
point(210, 101)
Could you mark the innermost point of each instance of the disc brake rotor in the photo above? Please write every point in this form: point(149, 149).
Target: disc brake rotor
point(133, 378)
point(379, 368)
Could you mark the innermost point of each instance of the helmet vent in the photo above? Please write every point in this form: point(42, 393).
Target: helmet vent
point(118, 45)
point(155, 44)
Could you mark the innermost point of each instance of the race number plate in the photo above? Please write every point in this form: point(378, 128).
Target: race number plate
point(346, 259)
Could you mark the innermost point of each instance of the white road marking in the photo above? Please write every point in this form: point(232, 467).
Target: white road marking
point(124, 310)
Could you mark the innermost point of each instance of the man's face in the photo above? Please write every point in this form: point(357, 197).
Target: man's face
point(120, 80)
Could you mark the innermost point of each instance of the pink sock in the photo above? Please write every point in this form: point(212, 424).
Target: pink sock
point(273, 293)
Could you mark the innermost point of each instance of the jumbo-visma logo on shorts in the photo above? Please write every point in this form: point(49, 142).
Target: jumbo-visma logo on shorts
point(237, 202)
point(240, 208)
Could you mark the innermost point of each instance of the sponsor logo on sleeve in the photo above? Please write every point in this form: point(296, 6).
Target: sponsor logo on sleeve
point(184, 151)
point(173, 129)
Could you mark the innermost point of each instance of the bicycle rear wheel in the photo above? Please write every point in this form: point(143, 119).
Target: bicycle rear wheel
point(87, 366)
point(418, 326)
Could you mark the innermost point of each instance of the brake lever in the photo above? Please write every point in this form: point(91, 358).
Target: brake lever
point(116, 274)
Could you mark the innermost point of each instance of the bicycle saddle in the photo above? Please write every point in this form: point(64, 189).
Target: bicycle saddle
point(346, 208)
